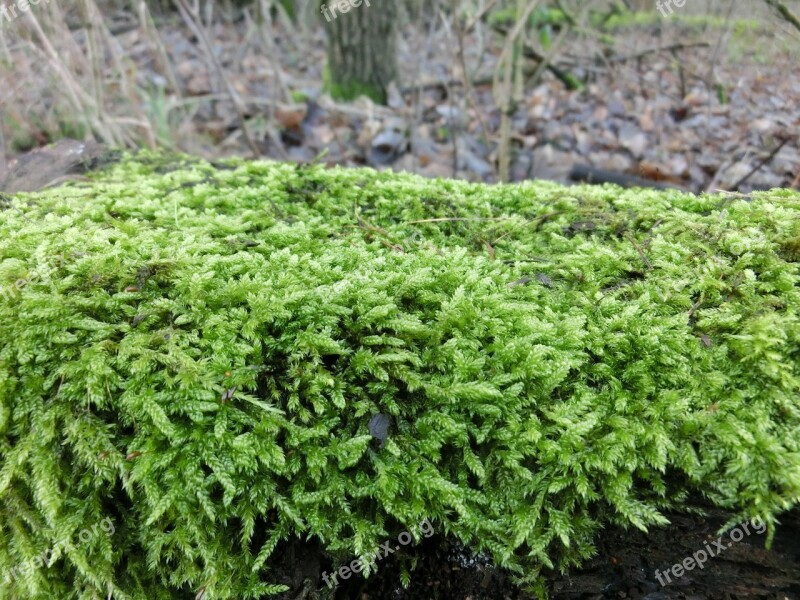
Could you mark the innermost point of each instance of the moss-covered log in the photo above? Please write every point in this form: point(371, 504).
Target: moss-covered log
point(191, 356)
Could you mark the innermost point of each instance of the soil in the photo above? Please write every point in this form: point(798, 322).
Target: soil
point(624, 567)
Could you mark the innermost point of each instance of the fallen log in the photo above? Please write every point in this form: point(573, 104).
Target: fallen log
point(588, 174)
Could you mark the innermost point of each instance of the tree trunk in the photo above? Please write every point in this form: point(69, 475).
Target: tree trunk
point(362, 48)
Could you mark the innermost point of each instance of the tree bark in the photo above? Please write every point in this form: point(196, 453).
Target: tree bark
point(362, 48)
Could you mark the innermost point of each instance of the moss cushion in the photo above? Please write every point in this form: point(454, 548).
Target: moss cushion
point(191, 355)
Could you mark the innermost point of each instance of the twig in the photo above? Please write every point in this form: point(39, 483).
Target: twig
point(541, 219)
point(369, 227)
point(519, 260)
point(712, 73)
point(641, 253)
point(570, 19)
point(443, 219)
point(761, 164)
point(718, 174)
point(657, 50)
point(785, 12)
point(424, 86)
point(192, 21)
point(81, 101)
point(507, 85)
point(490, 248)
point(265, 31)
point(307, 587)
point(5, 172)
point(161, 57)
point(695, 306)
point(6, 202)
point(454, 124)
point(568, 79)
point(653, 226)
point(417, 103)
point(763, 195)
point(467, 83)
point(479, 17)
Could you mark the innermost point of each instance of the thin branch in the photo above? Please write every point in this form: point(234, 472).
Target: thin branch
point(658, 50)
point(468, 91)
point(192, 20)
point(785, 12)
point(445, 219)
point(479, 17)
point(5, 202)
point(755, 169)
point(641, 253)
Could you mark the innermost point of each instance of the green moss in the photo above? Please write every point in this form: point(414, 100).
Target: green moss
point(201, 366)
point(299, 97)
point(353, 91)
point(629, 19)
point(506, 17)
point(347, 91)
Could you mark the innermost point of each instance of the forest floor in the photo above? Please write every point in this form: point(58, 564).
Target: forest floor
point(701, 103)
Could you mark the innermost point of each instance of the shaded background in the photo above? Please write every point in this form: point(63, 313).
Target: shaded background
point(707, 98)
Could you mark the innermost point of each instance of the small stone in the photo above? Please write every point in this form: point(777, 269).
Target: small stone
point(379, 427)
